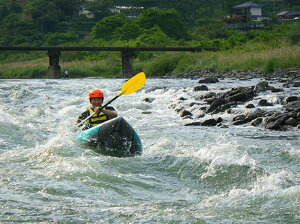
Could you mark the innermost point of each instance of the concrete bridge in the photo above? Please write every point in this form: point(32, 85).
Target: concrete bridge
point(127, 53)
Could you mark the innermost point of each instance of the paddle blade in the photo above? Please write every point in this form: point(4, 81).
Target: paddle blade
point(133, 84)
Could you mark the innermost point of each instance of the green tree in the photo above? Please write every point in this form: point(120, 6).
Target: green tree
point(54, 39)
point(167, 20)
point(128, 31)
point(154, 37)
point(16, 32)
point(106, 27)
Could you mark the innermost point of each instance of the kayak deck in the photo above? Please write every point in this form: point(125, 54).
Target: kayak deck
point(114, 138)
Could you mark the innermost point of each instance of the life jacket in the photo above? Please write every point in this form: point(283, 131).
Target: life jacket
point(97, 119)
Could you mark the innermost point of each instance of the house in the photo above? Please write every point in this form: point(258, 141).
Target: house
point(249, 11)
point(289, 15)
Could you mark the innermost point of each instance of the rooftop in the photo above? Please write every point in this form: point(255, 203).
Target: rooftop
point(246, 5)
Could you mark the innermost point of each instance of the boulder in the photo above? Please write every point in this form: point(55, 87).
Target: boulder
point(261, 86)
point(216, 103)
point(256, 121)
point(264, 103)
point(185, 113)
point(201, 88)
point(291, 121)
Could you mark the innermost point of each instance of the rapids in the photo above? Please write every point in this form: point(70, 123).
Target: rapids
point(240, 174)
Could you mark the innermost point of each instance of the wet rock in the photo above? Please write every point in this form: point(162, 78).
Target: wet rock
point(277, 123)
point(264, 103)
point(185, 113)
point(211, 122)
point(241, 94)
point(209, 80)
point(224, 107)
point(201, 88)
point(291, 99)
point(293, 105)
point(216, 103)
point(254, 114)
point(239, 119)
point(256, 121)
point(148, 100)
point(276, 90)
point(197, 123)
point(250, 105)
point(182, 99)
point(296, 84)
point(261, 86)
point(291, 121)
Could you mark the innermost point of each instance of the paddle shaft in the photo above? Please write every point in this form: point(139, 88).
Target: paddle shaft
point(101, 108)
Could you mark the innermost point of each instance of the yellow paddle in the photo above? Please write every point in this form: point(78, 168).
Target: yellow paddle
point(132, 85)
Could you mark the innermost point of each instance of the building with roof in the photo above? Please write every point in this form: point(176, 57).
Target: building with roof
point(249, 11)
point(289, 15)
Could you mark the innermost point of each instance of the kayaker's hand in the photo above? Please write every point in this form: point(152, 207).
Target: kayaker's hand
point(97, 110)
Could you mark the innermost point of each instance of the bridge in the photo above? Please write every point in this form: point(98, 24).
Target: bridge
point(127, 53)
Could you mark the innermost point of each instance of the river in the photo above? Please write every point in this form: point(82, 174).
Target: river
point(186, 174)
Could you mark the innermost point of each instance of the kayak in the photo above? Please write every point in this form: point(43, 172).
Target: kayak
point(114, 138)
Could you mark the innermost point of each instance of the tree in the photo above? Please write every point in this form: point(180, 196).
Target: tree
point(154, 37)
point(16, 31)
point(106, 27)
point(128, 31)
point(167, 20)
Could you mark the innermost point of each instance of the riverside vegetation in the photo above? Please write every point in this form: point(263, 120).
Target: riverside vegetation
point(276, 46)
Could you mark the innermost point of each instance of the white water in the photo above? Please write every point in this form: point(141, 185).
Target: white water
point(240, 174)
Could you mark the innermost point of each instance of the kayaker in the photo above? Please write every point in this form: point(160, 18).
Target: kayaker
point(96, 98)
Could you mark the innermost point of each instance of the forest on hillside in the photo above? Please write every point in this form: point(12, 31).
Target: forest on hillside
point(61, 22)
point(144, 23)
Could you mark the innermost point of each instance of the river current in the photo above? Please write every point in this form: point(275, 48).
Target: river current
point(186, 174)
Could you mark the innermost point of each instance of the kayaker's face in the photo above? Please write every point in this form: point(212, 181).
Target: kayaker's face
point(96, 102)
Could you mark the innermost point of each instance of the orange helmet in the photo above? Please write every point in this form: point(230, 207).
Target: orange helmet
point(96, 93)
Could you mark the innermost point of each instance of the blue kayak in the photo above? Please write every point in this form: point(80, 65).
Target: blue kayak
point(114, 138)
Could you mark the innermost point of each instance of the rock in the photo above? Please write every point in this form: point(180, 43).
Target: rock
point(209, 80)
point(254, 114)
point(239, 119)
point(277, 124)
point(209, 122)
point(242, 94)
point(182, 99)
point(296, 84)
point(276, 90)
point(201, 88)
point(261, 86)
point(256, 121)
point(185, 113)
point(224, 107)
point(148, 100)
point(291, 99)
point(193, 124)
point(293, 105)
point(146, 112)
point(264, 103)
point(291, 121)
point(250, 105)
point(216, 103)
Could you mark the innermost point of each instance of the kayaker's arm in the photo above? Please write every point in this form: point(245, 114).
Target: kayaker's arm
point(109, 111)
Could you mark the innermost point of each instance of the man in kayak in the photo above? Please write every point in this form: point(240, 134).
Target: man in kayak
point(96, 97)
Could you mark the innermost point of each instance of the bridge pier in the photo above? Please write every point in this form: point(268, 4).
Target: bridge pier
point(54, 69)
point(127, 63)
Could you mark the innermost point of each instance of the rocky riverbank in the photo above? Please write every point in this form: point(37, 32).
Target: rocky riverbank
point(243, 105)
